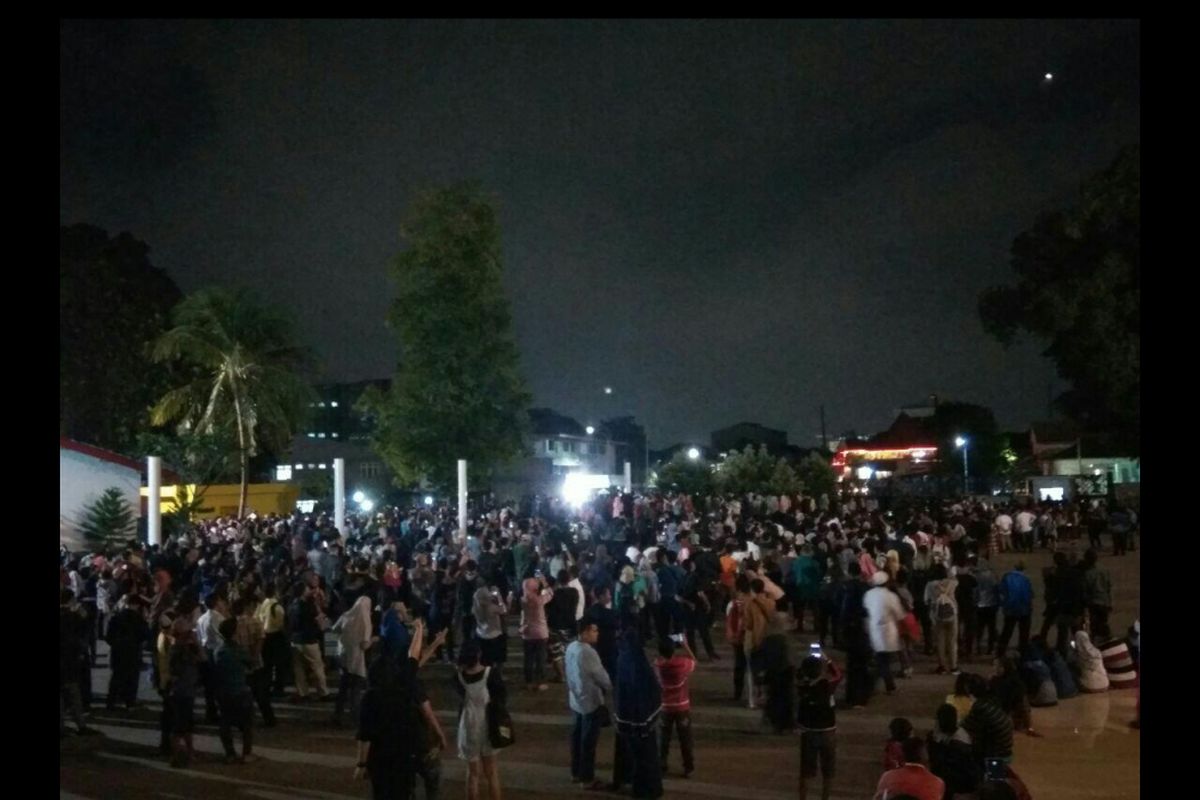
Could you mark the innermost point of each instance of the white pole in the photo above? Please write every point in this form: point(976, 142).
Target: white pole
point(462, 498)
point(154, 500)
point(628, 478)
point(339, 495)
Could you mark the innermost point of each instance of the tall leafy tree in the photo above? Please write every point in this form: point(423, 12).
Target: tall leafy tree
point(112, 303)
point(1078, 288)
point(108, 521)
point(687, 475)
point(458, 390)
point(817, 475)
point(245, 374)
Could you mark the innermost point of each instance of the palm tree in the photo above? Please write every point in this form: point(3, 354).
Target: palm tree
point(243, 373)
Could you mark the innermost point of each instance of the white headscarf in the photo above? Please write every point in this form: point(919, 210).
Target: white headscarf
point(354, 637)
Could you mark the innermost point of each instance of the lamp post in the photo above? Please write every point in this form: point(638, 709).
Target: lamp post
point(961, 442)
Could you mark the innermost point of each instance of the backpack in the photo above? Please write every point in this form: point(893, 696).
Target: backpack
point(944, 609)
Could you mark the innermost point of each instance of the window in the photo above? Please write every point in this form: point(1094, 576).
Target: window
point(312, 466)
point(333, 404)
point(569, 447)
point(369, 469)
point(321, 466)
point(321, 404)
point(334, 434)
point(283, 472)
point(299, 466)
point(550, 446)
point(312, 435)
point(320, 435)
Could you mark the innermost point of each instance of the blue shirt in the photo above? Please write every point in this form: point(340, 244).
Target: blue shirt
point(1016, 594)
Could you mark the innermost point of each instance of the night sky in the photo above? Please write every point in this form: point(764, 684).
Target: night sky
point(723, 221)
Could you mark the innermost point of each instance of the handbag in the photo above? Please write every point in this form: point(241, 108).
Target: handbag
point(500, 726)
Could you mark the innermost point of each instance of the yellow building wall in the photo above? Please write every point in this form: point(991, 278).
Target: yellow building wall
point(221, 500)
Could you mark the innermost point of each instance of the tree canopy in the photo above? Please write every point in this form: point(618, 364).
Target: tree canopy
point(458, 390)
point(243, 373)
point(112, 302)
point(687, 475)
point(1078, 288)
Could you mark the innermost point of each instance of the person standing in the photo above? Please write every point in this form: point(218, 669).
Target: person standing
point(307, 663)
point(1097, 589)
point(858, 644)
point(817, 717)
point(488, 610)
point(697, 608)
point(605, 619)
point(535, 632)
point(1024, 524)
point(735, 634)
point(72, 659)
point(127, 632)
point(184, 669)
point(884, 613)
point(250, 638)
point(234, 698)
point(209, 637)
point(588, 687)
point(940, 596)
point(986, 604)
point(1016, 600)
point(477, 685)
point(353, 629)
point(276, 653)
point(674, 672)
point(638, 708)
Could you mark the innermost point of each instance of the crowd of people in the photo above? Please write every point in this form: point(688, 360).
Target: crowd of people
point(237, 612)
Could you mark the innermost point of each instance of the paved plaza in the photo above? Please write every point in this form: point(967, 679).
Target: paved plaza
point(1088, 750)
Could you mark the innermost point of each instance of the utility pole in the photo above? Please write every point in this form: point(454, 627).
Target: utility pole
point(824, 438)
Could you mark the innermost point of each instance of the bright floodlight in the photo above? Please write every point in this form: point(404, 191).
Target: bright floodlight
point(428, 499)
point(693, 453)
point(366, 506)
point(959, 441)
point(358, 497)
point(577, 487)
point(865, 473)
point(1049, 76)
point(590, 430)
point(608, 390)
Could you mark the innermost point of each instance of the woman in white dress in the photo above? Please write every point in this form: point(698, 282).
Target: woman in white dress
point(477, 685)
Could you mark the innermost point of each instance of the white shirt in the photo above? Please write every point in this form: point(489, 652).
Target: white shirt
point(580, 605)
point(207, 629)
point(1004, 523)
point(1025, 521)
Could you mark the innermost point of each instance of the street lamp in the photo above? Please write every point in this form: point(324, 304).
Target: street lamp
point(608, 390)
point(961, 442)
point(693, 453)
point(590, 430)
point(359, 496)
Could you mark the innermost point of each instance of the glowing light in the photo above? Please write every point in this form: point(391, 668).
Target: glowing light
point(366, 505)
point(590, 430)
point(1049, 76)
point(359, 497)
point(865, 473)
point(428, 499)
point(608, 390)
point(959, 441)
point(577, 487)
point(693, 453)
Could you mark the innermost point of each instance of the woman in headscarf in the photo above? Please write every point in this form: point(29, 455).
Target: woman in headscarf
point(535, 633)
point(353, 630)
point(638, 708)
point(488, 608)
point(1092, 675)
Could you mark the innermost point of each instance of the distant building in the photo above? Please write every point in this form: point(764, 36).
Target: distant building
point(908, 447)
point(558, 446)
point(1060, 448)
point(737, 437)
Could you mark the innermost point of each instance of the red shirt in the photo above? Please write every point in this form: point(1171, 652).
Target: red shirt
point(673, 672)
point(912, 779)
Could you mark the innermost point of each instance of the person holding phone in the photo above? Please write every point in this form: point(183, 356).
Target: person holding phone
point(674, 672)
point(816, 714)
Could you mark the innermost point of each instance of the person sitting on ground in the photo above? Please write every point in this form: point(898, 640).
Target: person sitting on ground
point(899, 731)
point(950, 755)
point(1092, 675)
point(962, 699)
point(1009, 689)
point(913, 778)
point(989, 725)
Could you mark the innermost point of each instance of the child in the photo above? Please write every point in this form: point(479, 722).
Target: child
point(961, 699)
point(817, 680)
point(899, 729)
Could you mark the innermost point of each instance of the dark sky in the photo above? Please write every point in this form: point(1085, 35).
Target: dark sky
point(722, 220)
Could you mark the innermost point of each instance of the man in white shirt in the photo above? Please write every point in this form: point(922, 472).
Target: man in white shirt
point(1003, 526)
point(210, 642)
point(1024, 523)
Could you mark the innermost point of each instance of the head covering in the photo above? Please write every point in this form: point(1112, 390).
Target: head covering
point(879, 578)
point(639, 698)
